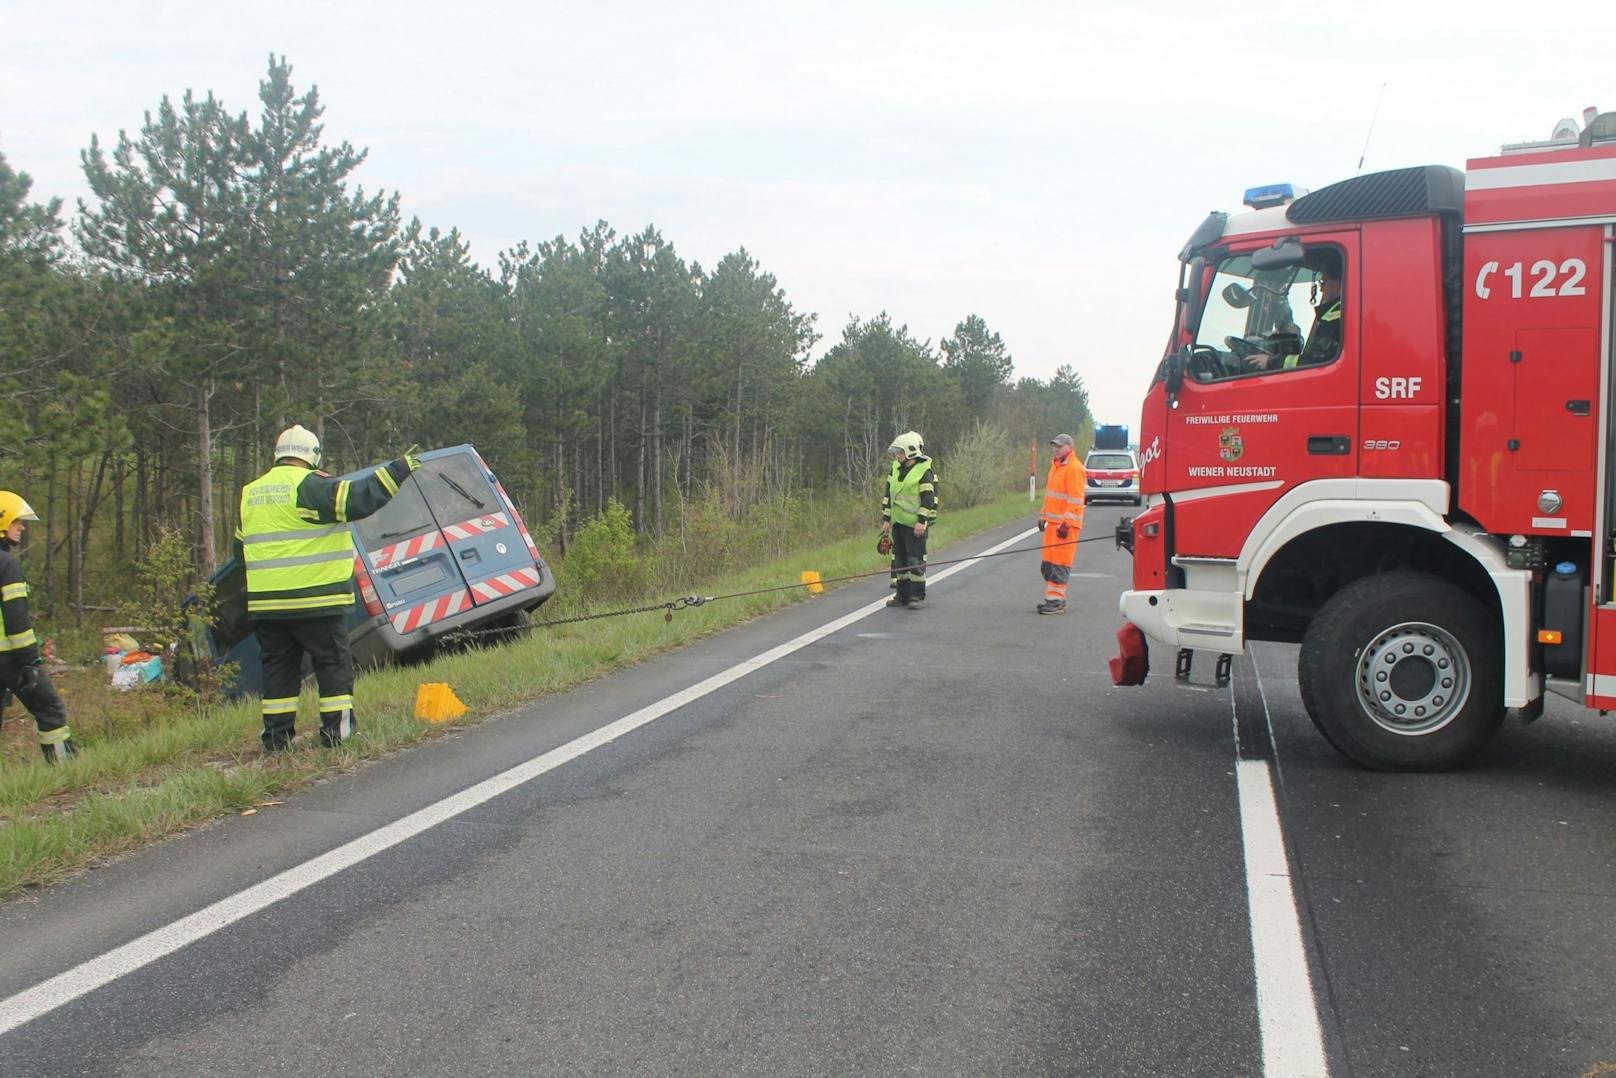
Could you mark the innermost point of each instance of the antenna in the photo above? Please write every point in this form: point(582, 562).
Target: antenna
point(1371, 130)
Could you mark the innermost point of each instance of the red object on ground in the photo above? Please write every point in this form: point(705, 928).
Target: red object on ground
point(1132, 662)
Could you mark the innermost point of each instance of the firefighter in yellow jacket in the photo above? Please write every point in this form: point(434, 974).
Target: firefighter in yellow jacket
point(22, 667)
point(1060, 519)
point(908, 510)
point(298, 550)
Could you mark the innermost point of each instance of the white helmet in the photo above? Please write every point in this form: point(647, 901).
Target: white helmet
point(299, 443)
point(909, 443)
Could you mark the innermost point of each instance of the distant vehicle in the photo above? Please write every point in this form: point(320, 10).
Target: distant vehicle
point(1113, 476)
point(449, 553)
point(1110, 436)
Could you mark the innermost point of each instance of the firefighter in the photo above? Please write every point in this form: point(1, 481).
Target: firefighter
point(295, 541)
point(1062, 508)
point(908, 510)
point(22, 667)
point(1324, 339)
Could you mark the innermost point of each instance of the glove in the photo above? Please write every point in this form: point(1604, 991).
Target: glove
point(1062, 532)
point(412, 458)
point(883, 545)
point(1042, 524)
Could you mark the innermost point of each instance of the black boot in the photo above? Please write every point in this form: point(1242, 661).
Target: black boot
point(57, 752)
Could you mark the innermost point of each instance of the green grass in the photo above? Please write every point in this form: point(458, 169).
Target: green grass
point(160, 767)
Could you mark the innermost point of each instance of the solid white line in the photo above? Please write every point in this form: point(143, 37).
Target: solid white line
point(1287, 1015)
point(88, 976)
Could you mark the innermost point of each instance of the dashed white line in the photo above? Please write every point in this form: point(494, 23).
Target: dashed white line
point(65, 987)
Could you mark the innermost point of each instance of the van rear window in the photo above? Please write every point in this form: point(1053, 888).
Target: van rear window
point(457, 489)
point(405, 517)
point(1111, 462)
point(444, 491)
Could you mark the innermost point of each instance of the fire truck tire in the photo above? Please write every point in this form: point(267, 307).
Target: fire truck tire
point(1404, 672)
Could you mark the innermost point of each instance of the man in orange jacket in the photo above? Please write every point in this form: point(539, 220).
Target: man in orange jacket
point(1060, 520)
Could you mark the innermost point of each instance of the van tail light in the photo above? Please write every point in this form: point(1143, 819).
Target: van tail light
point(367, 589)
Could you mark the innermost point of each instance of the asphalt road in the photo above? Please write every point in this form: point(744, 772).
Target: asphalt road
point(927, 843)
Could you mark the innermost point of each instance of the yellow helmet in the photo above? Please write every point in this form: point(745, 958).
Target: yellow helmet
point(299, 443)
point(909, 443)
point(13, 507)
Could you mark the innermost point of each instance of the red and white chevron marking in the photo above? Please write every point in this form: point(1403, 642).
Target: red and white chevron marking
point(398, 553)
point(469, 529)
point(505, 584)
point(407, 621)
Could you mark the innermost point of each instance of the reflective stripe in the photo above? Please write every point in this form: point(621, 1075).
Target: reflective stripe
point(335, 703)
point(310, 602)
point(343, 486)
point(1074, 498)
point(280, 705)
point(293, 536)
point(1060, 518)
point(1333, 314)
point(54, 737)
point(24, 639)
point(301, 559)
point(387, 480)
point(13, 591)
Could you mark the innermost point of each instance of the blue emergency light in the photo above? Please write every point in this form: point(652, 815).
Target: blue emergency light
point(1274, 194)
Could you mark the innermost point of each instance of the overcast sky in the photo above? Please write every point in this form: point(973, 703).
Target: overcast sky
point(1038, 164)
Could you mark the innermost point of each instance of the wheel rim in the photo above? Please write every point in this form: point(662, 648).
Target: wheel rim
point(1413, 678)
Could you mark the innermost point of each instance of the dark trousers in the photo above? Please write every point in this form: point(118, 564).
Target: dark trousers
point(43, 702)
point(282, 645)
point(908, 563)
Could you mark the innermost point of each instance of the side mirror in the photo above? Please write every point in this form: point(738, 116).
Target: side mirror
point(1174, 377)
point(1238, 295)
point(1286, 252)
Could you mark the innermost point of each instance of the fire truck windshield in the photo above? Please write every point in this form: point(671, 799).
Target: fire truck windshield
point(1250, 312)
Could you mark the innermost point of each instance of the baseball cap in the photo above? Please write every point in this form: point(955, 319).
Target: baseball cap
point(1061, 439)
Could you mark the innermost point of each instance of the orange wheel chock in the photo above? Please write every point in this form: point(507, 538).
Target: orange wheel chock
point(436, 702)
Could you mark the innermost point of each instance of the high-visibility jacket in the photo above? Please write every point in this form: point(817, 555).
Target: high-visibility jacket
point(18, 644)
point(1063, 504)
point(295, 541)
point(911, 493)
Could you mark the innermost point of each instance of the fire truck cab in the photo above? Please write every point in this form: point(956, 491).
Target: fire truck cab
point(1381, 430)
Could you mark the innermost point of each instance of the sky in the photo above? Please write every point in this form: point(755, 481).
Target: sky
point(1037, 164)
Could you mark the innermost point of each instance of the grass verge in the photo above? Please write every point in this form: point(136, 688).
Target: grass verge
point(179, 767)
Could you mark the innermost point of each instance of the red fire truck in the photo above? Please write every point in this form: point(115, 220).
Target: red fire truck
point(1382, 430)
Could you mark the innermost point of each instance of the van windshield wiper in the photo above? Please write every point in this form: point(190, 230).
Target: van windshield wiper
point(401, 531)
point(460, 490)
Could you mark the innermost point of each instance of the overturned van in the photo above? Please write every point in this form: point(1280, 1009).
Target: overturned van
point(449, 554)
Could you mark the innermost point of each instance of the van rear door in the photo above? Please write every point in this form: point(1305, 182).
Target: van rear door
point(416, 575)
point(482, 532)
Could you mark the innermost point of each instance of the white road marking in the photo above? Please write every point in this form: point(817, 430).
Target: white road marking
point(1287, 1013)
point(65, 987)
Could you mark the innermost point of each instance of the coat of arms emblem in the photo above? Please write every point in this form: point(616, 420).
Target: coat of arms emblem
point(1230, 445)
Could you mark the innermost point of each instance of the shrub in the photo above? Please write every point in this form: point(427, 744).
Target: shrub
point(603, 561)
point(982, 467)
point(172, 607)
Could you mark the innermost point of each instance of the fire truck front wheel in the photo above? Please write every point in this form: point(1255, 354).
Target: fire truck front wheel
point(1404, 672)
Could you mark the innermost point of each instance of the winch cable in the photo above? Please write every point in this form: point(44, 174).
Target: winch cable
point(686, 602)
